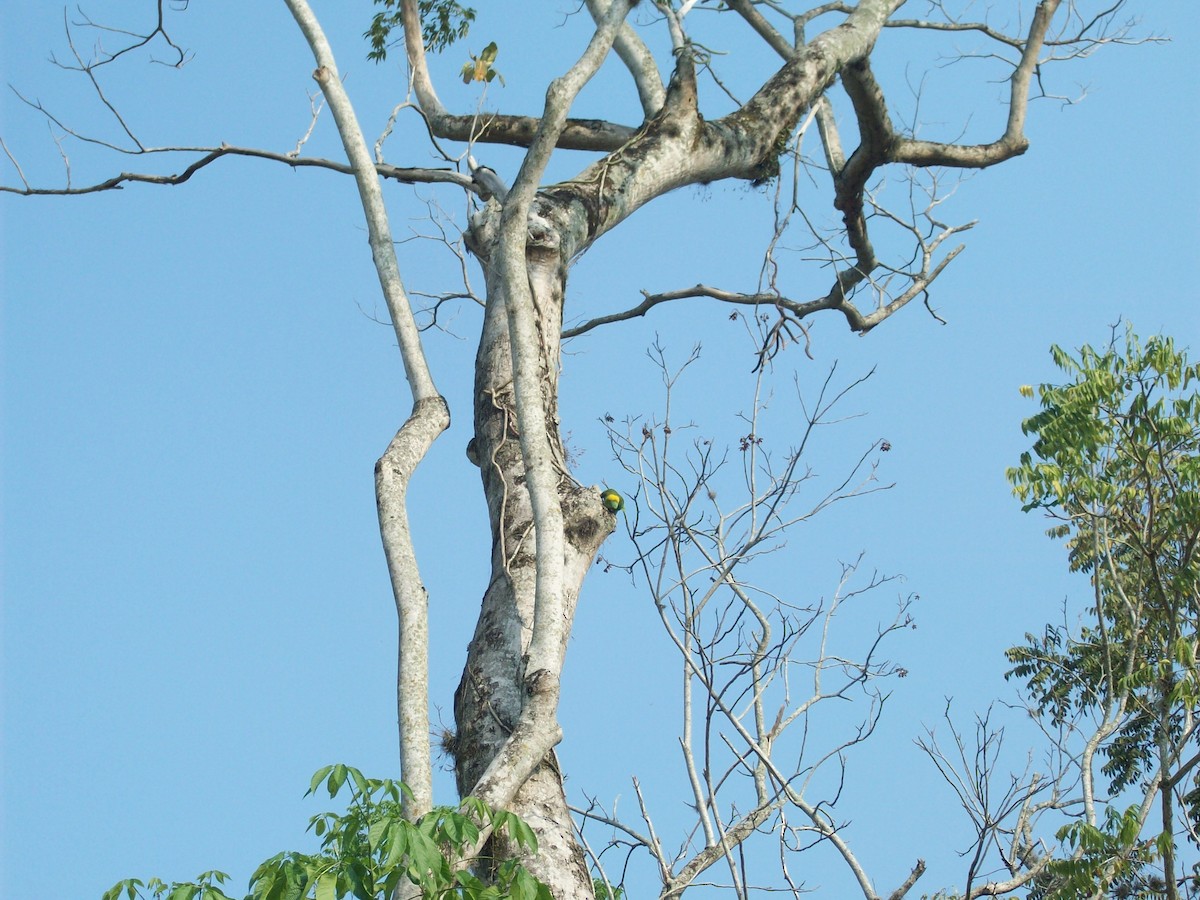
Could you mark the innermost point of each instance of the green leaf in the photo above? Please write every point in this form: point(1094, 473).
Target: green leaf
point(1115, 463)
point(128, 886)
point(442, 23)
point(183, 892)
point(375, 833)
point(318, 778)
point(523, 886)
point(360, 783)
point(262, 883)
point(367, 851)
point(327, 886)
point(518, 830)
point(336, 779)
point(397, 843)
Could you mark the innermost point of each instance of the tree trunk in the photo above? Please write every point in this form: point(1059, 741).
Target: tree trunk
point(494, 687)
point(677, 148)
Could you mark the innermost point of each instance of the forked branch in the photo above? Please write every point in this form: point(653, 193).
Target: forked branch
point(430, 417)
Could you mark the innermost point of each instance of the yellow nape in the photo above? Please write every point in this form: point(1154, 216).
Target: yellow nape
point(612, 499)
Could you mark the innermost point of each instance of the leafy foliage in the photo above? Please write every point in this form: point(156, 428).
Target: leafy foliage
point(1112, 858)
point(1111, 448)
point(205, 887)
point(604, 892)
point(442, 23)
point(370, 849)
point(1116, 465)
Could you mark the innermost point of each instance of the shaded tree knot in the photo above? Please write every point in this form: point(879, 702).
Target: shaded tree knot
point(435, 407)
point(541, 683)
point(542, 234)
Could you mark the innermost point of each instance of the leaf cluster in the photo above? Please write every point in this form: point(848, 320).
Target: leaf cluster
point(1116, 464)
point(370, 850)
point(1118, 448)
point(604, 892)
point(1113, 859)
point(442, 23)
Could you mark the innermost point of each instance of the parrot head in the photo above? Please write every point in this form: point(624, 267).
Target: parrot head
point(612, 499)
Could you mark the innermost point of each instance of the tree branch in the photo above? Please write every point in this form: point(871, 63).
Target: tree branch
point(700, 290)
point(762, 27)
point(212, 154)
point(519, 131)
point(913, 877)
point(1013, 142)
point(537, 730)
point(637, 58)
point(142, 40)
point(430, 417)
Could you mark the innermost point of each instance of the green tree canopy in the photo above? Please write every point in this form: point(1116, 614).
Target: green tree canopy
point(1116, 465)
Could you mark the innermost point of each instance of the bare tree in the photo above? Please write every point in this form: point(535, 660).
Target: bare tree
point(546, 527)
point(764, 751)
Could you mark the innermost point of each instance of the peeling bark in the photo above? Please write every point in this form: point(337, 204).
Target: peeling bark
point(496, 686)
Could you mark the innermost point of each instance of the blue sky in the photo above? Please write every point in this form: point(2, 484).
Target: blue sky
point(196, 611)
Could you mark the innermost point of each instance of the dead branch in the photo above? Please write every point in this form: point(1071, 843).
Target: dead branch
point(740, 645)
point(140, 40)
point(212, 154)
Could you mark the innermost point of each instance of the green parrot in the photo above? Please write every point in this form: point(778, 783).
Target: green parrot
point(612, 499)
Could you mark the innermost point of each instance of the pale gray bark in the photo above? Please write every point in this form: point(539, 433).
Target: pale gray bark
point(430, 417)
point(503, 706)
point(637, 58)
point(543, 558)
